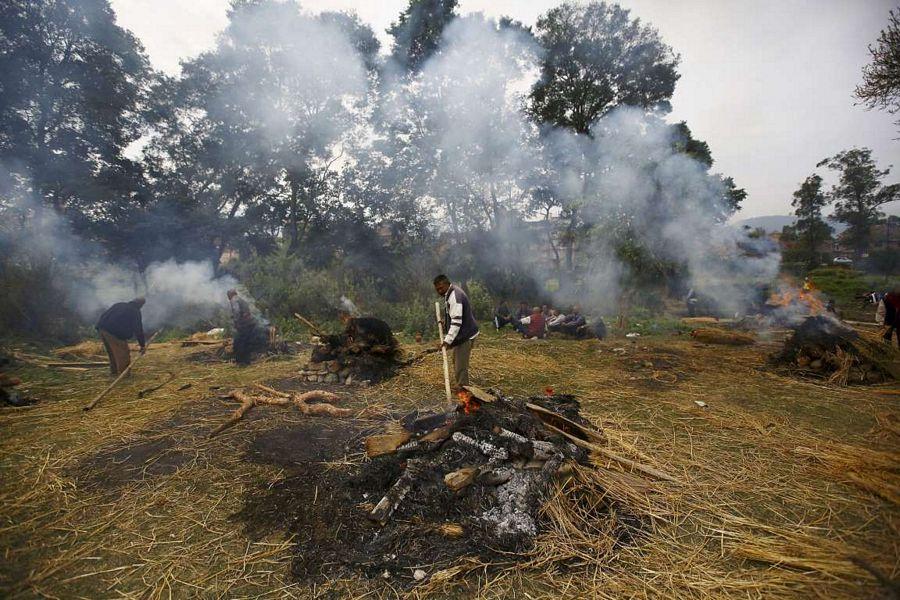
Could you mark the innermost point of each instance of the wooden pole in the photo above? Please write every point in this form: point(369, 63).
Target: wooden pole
point(310, 324)
point(437, 314)
point(119, 378)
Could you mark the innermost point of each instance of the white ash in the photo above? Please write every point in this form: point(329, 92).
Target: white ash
point(511, 516)
point(492, 452)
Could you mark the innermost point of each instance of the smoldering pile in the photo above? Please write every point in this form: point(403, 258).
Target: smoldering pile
point(823, 346)
point(367, 352)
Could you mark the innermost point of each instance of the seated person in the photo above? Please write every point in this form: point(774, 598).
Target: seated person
point(523, 311)
point(575, 324)
point(502, 316)
point(555, 320)
point(534, 325)
point(545, 310)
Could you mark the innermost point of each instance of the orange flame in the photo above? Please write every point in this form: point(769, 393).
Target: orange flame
point(793, 296)
point(468, 402)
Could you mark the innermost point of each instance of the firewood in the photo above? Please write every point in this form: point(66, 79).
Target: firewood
point(247, 403)
point(460, 478)
point(437, 435)
point(710, 335)
point(561, 422)
point(324, 409)
point(377, 445)
point(272, 391)
point(283, 399)
point(80, 365)
point(480, 394)
point(494, 453)
point(612, 455)
point(394, 496)
point(494, 477)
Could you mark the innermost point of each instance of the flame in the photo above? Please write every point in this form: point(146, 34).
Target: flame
point(548, 391)
point(467, 402)
point(807, 296)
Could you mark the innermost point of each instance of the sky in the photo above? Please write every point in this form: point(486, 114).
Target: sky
point(768, 84)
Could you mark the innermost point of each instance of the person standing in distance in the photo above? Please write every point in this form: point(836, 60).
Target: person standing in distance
point(463, 329)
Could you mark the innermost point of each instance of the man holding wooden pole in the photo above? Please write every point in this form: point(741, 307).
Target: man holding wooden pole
point(120, 323)
point(463, 329)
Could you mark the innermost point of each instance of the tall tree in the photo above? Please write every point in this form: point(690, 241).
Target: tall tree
point(74, 90)
point(881, 79)
point(810, 229)
point(858, 193)
point(258, 126)
point(417, 32)
point(598, 58)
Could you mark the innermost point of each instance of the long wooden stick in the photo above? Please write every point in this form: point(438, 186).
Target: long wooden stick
point(437, 314)
point(310, 324)
point(121, 375)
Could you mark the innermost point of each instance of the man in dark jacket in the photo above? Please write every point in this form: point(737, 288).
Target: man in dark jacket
point(891, 303)
point(502, 316)
point(249, 336)
point(120, 323)
point(463, 330)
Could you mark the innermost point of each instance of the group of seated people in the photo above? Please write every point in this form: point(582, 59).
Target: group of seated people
point(538, 321)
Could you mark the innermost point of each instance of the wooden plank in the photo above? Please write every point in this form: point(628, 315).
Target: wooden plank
point(376, 445)
point(560, 422)
point(480, 394)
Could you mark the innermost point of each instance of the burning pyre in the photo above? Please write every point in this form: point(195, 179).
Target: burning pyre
point(487, 466)
point(823, 346)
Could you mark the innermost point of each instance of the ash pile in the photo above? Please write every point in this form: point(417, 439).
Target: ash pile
point(822, 346)
point(365, 352)
point(485, 469)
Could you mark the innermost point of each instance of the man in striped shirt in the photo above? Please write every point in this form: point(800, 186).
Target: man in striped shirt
point(463, 330)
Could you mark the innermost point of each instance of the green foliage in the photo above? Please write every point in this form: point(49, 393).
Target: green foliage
point(858, 193)
point(881, 79)
point(480, 300)
point(417, 32)
point(598, 57)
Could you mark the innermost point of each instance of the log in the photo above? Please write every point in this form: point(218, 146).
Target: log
point(272, 391)
point(394, 496)
point(480, 394)
point(80, 365)
point(612, 455)
point(247, 403)
point(377, 445)
point(437, 435)
point(120, 377)
point(457, 480)
point(710, 335)
point(493, 452)
point(548, 417)
point(189, 343)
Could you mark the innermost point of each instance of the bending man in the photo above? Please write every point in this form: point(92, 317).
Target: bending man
point(463, 329)
point(120, 323)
